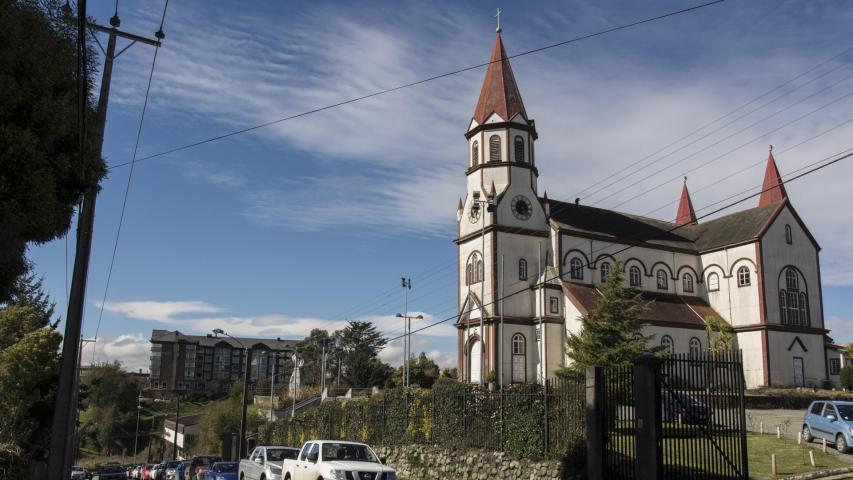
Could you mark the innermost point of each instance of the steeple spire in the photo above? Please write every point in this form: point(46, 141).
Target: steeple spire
point(686, 215)
point(773, 189)
point(499, 93)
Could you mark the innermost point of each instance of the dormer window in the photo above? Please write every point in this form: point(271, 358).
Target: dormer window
point(475, 153)
point(789, 239)
point(495, 148)
point(519, 149)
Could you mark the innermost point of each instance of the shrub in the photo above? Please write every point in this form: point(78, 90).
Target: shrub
point(847, 377)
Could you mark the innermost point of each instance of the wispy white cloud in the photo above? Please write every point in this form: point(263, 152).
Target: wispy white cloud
point(841, 330)
point(131, 351)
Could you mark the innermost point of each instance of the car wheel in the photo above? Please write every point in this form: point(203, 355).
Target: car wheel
point(807, 434)
point(840, 444)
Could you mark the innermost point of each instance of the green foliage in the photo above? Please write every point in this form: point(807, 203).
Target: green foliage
point(423, 372)
point(40, 176)
point(847, 377)
point(719, 334)
point(311, 352)
point(109, 400)
point(361, 342)
point(611, 334)
point(29, 364)
point(223, 417)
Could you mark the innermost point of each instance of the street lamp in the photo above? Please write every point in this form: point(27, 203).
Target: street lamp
point(475, 207)
point(407, 323)
point(136, 435)
point(248, 372)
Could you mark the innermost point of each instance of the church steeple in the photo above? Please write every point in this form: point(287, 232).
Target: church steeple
point(499, 93)
point(773, 189)
point(686, 215)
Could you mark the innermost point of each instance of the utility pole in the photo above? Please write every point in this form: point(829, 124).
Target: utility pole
point(177, 421)
point(272, 384)
point(65, 414)
point(136, 434)
point(407, 327)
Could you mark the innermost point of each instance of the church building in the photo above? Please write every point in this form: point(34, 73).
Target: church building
point(533, 264)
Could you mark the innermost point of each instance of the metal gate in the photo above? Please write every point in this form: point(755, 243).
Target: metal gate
point(703, 421)
point(620, 437)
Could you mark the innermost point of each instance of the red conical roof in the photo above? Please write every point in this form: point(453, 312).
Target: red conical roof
point(500, 92)
point(686, 215)
point(773, 189)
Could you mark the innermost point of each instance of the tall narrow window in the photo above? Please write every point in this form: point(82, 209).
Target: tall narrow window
point(519, 149)
point(794, 308)
point(522, 269)
point(743, 279)
point(475, 153)
point(469, 274)
point(495, 148)
point(791, 280)
point(576, 267)
point(554, 305)
point(804, 309)
point(687, 283)
point(713, 282)
point(605, 271)
point(474, 269)
point(695, 347)
point(667, 344)
point(519, 360)
point(479, 272)
point(789, 239)
point(783, 307)
point(662, 280)
point(634, 277)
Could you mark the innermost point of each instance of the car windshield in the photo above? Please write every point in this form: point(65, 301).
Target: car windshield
point(279, 454)
point(173, 464)
point(348, 451)
point(225, 468)
point(846, 412)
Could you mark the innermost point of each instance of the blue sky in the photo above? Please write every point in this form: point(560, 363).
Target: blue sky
point(313, 221)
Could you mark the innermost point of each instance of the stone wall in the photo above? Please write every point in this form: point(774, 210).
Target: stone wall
point(415, 462)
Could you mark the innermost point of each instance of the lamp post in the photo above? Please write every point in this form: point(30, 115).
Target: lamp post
point(407, 322)
point(136, 435)
point(490, 207)
point(248, 371)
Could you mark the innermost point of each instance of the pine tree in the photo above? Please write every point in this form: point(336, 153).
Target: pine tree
point(611, 334)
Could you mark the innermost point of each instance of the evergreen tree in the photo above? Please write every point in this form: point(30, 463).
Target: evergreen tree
point(423, 372)
point(361, 342)
point(611, 334)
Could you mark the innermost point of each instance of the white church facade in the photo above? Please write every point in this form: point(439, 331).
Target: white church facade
point(533, 265)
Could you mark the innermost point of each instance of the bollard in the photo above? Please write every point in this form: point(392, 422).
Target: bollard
point(811, 457)
point(773, 464)
point(761, 428)
point(824, 446)
point(778, 432)
point(799, 439)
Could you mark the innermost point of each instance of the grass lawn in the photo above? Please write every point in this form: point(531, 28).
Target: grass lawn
point(790, 458)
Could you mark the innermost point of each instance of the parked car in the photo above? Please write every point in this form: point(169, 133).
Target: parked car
point(684, 408)
point(79, 473)
point(265, 462)
point(223, 471)
point(158, 472)
point(334, 459)
point(831, 421)
point(170, 470)
point(111, 471)
point(199, 465)
point(145, 472)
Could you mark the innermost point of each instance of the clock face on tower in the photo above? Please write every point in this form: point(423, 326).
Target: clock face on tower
point(521, 207)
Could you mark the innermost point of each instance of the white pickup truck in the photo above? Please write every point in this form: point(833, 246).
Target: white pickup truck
point(337, 460)
point(265, 463)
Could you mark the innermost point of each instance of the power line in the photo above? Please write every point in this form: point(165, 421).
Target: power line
point(419, 82)
point(819, 166)
point(159, 34)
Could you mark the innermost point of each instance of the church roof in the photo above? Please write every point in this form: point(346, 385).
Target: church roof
point(773, 189)
point(661, 308)
point(631, 229)
point(686, 215)
point(499, 93)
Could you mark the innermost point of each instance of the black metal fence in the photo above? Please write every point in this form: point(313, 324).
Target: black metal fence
point(526, 421)
point(620, 440)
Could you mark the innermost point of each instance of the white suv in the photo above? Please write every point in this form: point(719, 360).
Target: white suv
point(336, 460)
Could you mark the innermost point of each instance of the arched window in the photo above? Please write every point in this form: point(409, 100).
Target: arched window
point(794, 308)
point(743, 277)
point(522, 269)
point(783, 307)
point(495, 148)
point(475, 363)
point(634, 277)
point(695, 347)
point(789, 239)
point(713, 282)
point(519, 149)
point(605, 271)
point(791, 280)
point(804, 309)
point(474, 269)
point(667, 344)
point(662, 281)
point(475, 153)
point(687, 283)
point(576, 268)
point(519, 358)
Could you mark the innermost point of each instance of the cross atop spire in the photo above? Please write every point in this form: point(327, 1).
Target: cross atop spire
point(498, 16)
point(499, 93)
point(773, 188)
point(686, 215)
